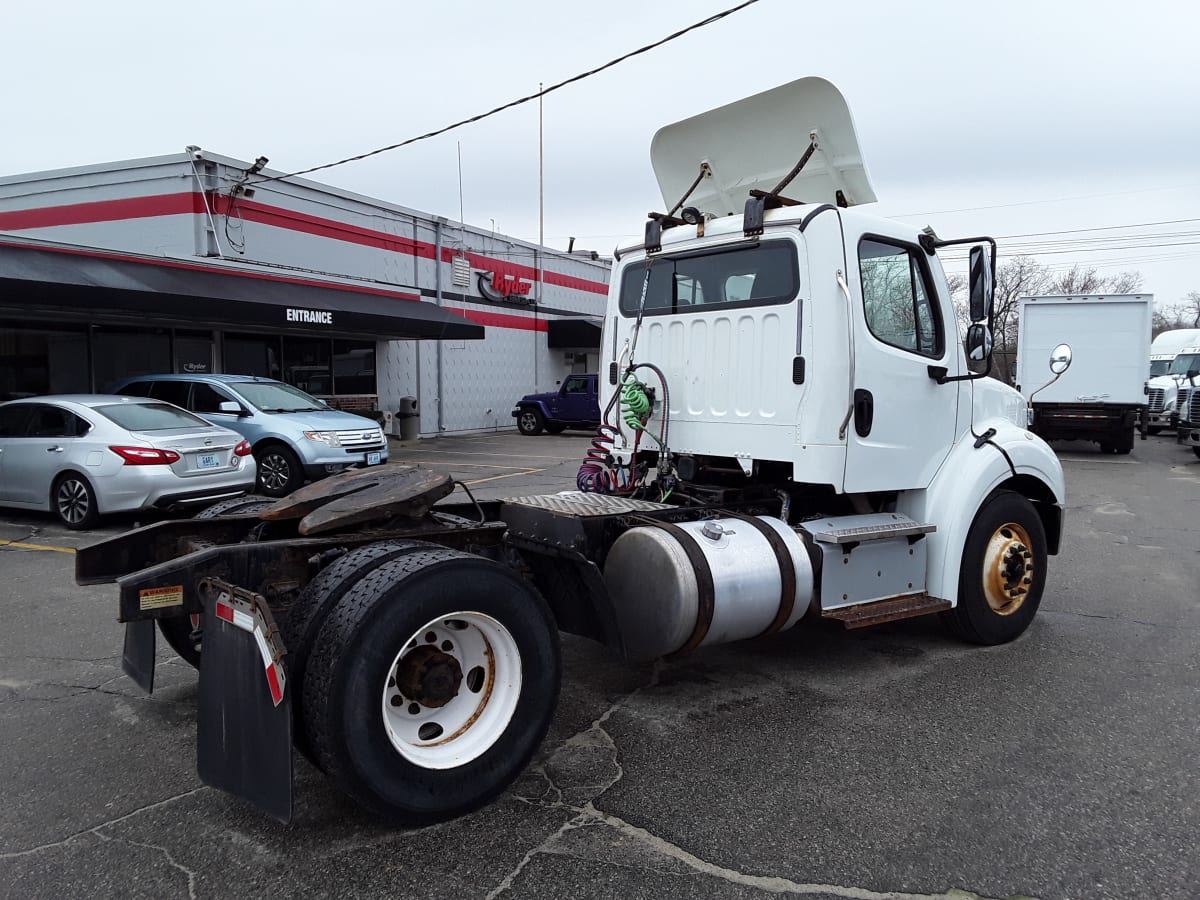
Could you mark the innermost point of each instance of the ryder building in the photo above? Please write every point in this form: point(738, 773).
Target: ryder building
point(194, 263)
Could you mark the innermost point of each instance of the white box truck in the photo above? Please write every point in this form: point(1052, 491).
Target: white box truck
point(1102, 397)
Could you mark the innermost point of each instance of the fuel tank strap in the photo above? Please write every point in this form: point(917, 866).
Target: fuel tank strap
point(787, 570)
point(706, 590)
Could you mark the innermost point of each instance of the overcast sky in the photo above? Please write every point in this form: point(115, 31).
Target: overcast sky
point(1009, 119)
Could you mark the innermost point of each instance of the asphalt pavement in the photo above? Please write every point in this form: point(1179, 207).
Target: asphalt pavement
point(892, 762)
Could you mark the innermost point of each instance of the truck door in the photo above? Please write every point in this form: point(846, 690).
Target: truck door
point(904, 422)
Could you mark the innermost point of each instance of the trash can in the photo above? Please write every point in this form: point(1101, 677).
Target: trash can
point(409, 418)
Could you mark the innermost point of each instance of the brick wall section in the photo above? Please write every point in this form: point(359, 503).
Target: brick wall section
point(361, 405)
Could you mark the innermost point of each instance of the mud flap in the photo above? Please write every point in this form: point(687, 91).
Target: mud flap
point(137, 659)
point(244, 728)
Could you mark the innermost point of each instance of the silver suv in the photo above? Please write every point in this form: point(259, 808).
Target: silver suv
point(295, 436)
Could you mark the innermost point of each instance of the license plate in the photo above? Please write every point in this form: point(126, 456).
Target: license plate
point(373, 458)
point(208, 461)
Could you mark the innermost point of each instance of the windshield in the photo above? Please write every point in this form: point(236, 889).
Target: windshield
point(273, 397)
point(150, 416)
point(1159, 367)
point(758, 275)
point(1184, 363)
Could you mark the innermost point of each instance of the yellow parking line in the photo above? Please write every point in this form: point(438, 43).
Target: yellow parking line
point(21, 545)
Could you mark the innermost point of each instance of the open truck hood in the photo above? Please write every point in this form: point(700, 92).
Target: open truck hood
point(754, 143)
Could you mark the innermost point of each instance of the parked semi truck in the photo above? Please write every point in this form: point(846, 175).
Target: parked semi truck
point(791, 433)
point(1103, 397)
point(1167, 377)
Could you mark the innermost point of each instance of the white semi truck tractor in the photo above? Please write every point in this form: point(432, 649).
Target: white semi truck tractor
point(791, 432)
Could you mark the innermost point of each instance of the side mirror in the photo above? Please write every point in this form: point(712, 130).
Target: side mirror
point(228, 406)
point(1060, 359)
point(979, 342)
point(1191, 373)
point(980, 280)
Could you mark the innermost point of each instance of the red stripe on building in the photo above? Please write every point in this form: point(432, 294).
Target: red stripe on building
point(500, 320)
point(274, 216)
point(102, 211)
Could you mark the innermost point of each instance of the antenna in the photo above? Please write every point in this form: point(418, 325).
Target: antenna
point(461, 220)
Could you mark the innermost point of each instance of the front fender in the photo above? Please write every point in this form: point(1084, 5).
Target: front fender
point(966, 479)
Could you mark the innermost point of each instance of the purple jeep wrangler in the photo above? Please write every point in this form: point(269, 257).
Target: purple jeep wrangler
point(574, 405)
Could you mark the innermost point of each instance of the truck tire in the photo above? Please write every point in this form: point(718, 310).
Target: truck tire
point(184, 634)
point(531, 421)
point(299, 627)
point(1003, 572)
point(1153, 430)
point(431, 685)
point(1196, 450)
point(235, 506)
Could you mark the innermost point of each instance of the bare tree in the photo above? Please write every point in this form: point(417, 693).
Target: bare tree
point(1189, 310)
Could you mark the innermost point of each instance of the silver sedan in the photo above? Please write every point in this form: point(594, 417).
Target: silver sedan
point(84, 455)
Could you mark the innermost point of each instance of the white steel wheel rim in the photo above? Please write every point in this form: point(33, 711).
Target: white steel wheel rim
point(478, 713)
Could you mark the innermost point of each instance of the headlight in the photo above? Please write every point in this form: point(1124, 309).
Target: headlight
point(329, 438)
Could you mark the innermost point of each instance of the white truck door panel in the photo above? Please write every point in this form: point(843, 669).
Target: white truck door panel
point(902, 325)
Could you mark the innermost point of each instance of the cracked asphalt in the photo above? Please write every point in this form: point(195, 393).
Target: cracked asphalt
point(887, 763)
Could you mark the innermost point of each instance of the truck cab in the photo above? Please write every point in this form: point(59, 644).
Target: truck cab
point(805, 344)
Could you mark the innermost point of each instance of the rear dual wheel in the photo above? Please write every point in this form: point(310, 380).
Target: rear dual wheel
point(430, 684)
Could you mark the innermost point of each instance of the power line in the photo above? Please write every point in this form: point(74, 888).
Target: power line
point(940, 212)
point(716, 17)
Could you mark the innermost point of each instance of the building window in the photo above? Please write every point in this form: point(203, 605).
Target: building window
point(306, 365)
point(124, 353)
point(354, 367)
point(252, 354)
point(194, 352)
point(36, 361)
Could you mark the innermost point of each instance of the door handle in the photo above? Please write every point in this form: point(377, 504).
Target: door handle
point(864, 411)
point(54, 449)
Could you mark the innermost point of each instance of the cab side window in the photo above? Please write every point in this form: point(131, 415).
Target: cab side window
point(576, 386)
point(897, 300)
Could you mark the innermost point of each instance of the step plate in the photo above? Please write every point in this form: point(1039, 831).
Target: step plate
point(577, 503)
point(872, 527)
point(892, 610)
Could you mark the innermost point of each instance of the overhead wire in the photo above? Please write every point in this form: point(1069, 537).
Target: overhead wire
point(716, 17)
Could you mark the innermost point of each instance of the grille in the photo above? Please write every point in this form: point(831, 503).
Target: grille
point(1193, 408)
point(362, 439)
point(1156, 400)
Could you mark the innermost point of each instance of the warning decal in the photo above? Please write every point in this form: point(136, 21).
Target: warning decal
point(157, 598)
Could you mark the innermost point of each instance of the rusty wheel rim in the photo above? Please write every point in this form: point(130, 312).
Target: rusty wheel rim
point(452, 690)
point(1008, 569)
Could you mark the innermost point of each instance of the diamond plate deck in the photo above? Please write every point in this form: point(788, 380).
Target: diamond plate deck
point(577, 503)
point(874, 527)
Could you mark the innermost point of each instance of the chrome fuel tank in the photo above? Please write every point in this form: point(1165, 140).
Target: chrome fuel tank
point(676, 587)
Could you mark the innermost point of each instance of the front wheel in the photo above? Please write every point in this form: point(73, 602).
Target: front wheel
point(1003, 572)
point(431, 685)
point(279, 470)
point(530, 421)
point(1196, 450)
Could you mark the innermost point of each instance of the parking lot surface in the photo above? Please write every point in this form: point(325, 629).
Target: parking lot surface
point(892, 762)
